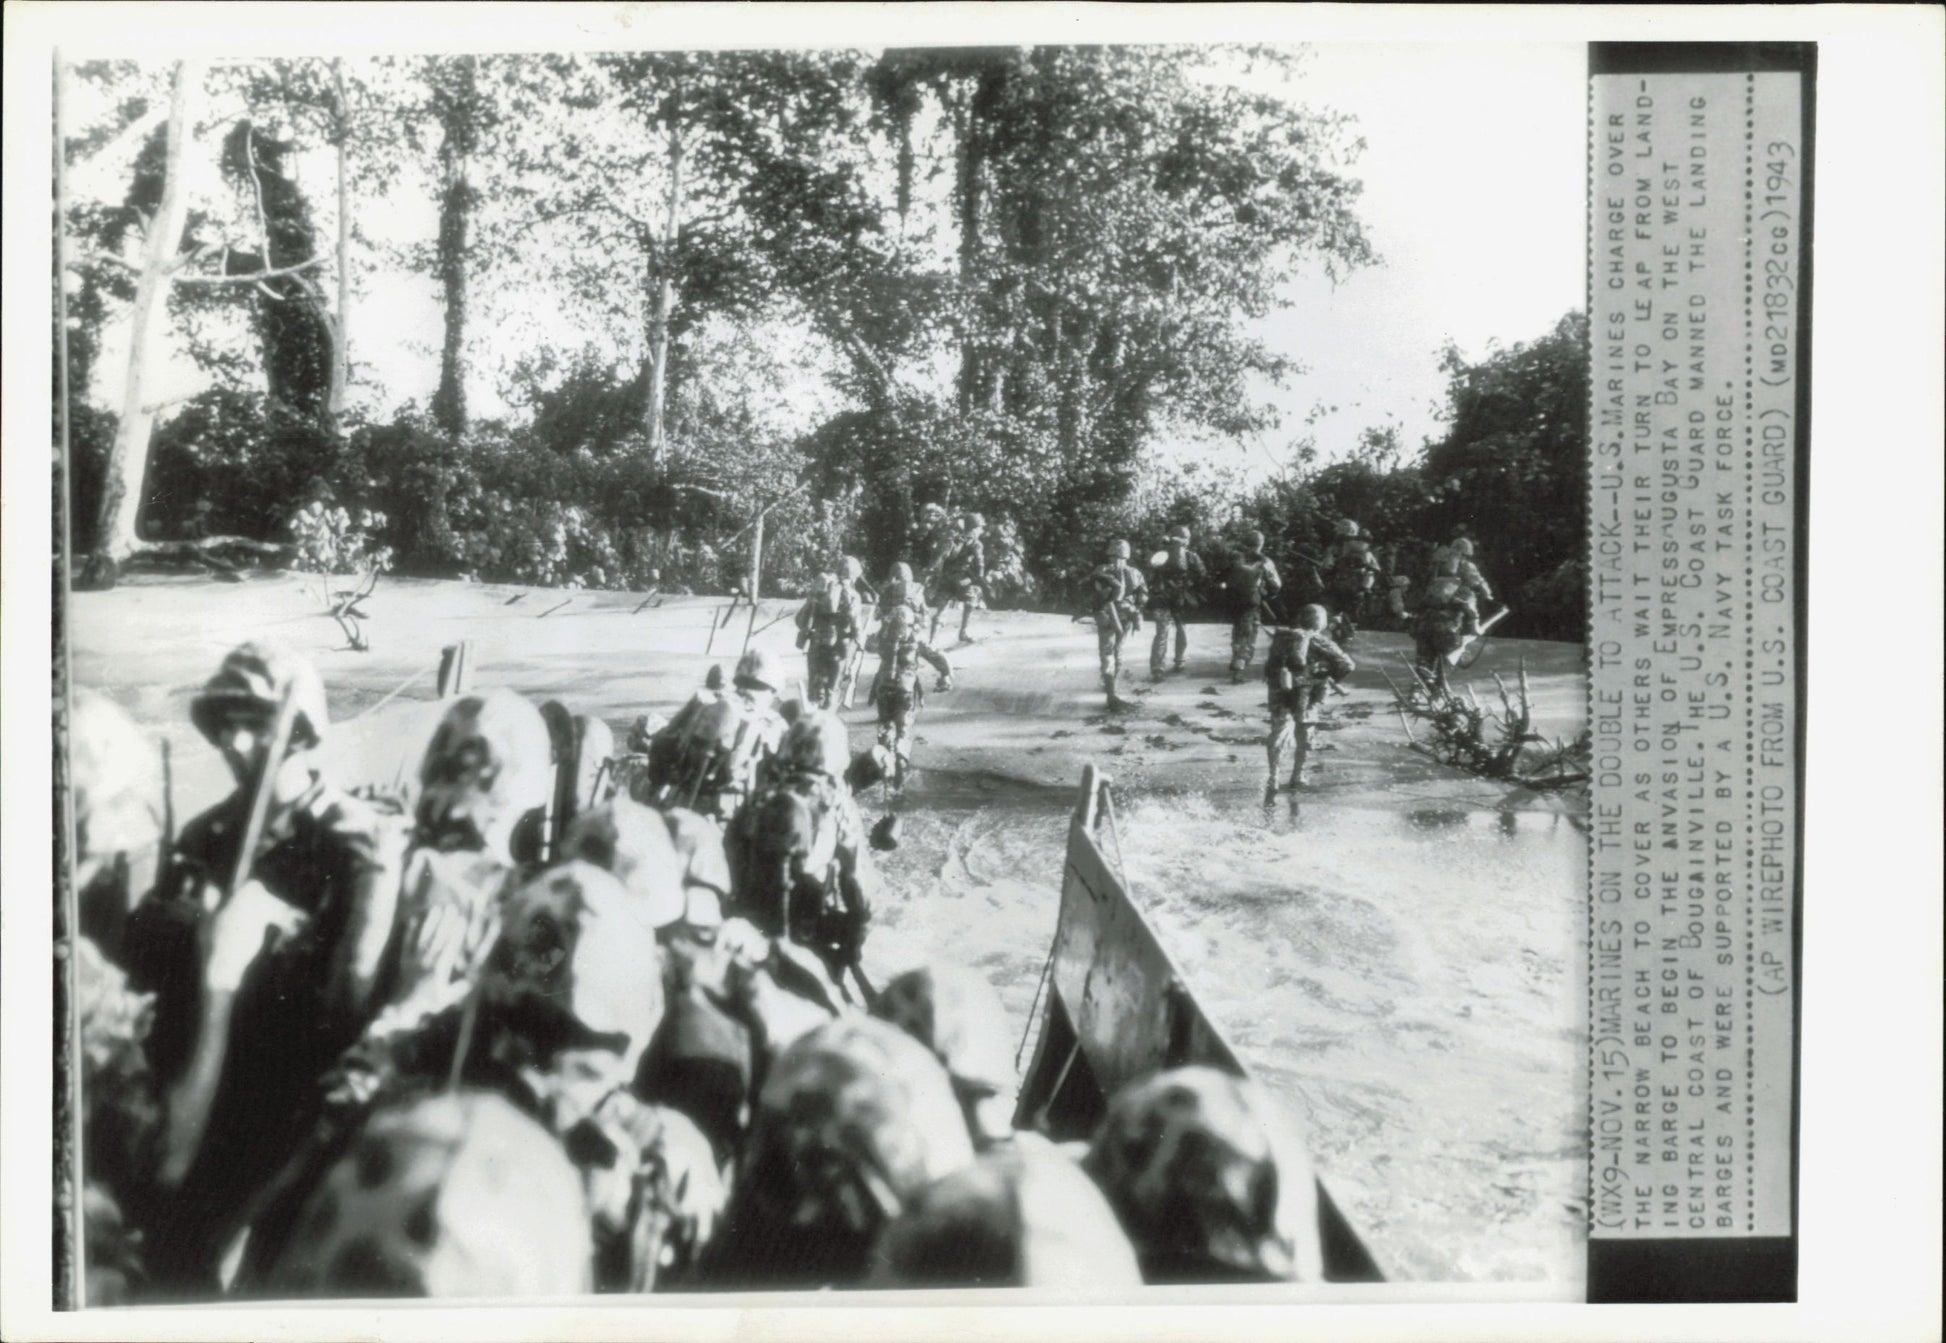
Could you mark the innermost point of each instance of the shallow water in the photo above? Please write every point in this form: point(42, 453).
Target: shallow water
point(1405, 980)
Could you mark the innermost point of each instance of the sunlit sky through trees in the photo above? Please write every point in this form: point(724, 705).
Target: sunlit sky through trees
point(1473, 191)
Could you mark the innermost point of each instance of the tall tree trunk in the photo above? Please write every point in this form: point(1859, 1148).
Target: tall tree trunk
point(968, 188)
point(665, 288)
point(128, 455)
point(459, 125)
point(341, 327)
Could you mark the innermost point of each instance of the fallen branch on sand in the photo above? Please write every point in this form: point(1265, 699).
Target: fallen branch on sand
point(219, 554)
point(1495, 745)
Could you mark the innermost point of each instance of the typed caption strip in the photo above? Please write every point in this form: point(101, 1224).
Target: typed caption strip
point(1699, 203)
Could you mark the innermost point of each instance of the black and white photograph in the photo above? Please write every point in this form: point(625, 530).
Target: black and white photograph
point(827, 669)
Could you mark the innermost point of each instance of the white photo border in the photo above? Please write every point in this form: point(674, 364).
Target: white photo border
point(1870, 1043)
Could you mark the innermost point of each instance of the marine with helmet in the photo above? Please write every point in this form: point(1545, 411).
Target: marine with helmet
point(1210, 1180)
point(1116, 593)
point(325, 855)
point(1175, 585)
point(486, 769)
point(264, 964)
point(555, 1022)
point(447, 1196)
point(1022, 1215)
point(898, 690)
point(1449, 611)
point(1352, 572)
point(854, 1121)
point(954, 1013)
point(708, 757)
point(829, 629)
point(902, 589)
point(800, 867)
point(864, 598)
point(930, 536)
point(1300, 669)
point(959, 572)
point(1251, 581)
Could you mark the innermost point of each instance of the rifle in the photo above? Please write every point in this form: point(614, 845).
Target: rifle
point(1476, 640)
point(189, 1102)
point(259, 816)
point(1112, 606)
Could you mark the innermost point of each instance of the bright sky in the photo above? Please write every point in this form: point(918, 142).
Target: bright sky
point(1473, 174)
point(1474, 192)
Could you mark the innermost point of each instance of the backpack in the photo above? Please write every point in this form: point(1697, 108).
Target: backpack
point(1443, 590)
point(828, 609)
point(785, 858)
point(1246, 584)
point(689, 759)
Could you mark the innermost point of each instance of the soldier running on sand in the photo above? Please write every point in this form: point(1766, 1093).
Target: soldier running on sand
point(1302, 666)
point(958, 573)
point(898, 691)
point(1177, 584)
point(1351, 571)
point(828, 630)
point(1116, 590)
point(929, 538)
point(902, 589)
point(1251, 581)
point(864, 600)
point(1449, 612)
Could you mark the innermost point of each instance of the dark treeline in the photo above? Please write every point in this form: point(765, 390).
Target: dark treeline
point(1005, 277)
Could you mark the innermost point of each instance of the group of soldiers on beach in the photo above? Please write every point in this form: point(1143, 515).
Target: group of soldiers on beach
point(844, 618)
point(556, 1014)
point(1307, 657)
point(553, 1013)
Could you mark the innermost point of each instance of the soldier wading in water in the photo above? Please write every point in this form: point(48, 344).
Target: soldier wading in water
point(1302, 667)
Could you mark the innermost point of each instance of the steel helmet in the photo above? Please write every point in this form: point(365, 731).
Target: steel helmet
point(851, 569)
point(757, 669)
point(1401, 581)
point(577, 955)
point(487, 765)
point(902, 572)
point(855, 1119)
point(817, 743)
point(1118, 549)
point(1020, 1216)
point(955, 1013)
point(975, 522)
point(251, 683)
point(1463, 547)
point(1207, 1180)
point(1253, 540)
point(456, 1195)
point(1179, 535)
point(1312, 617)
point(630, 842)
point(933, 510)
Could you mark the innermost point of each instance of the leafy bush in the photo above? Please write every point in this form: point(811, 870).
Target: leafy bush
point(331, 540)
point(225, 465)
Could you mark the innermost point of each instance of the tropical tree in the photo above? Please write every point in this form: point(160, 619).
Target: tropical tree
point(1513, 466)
